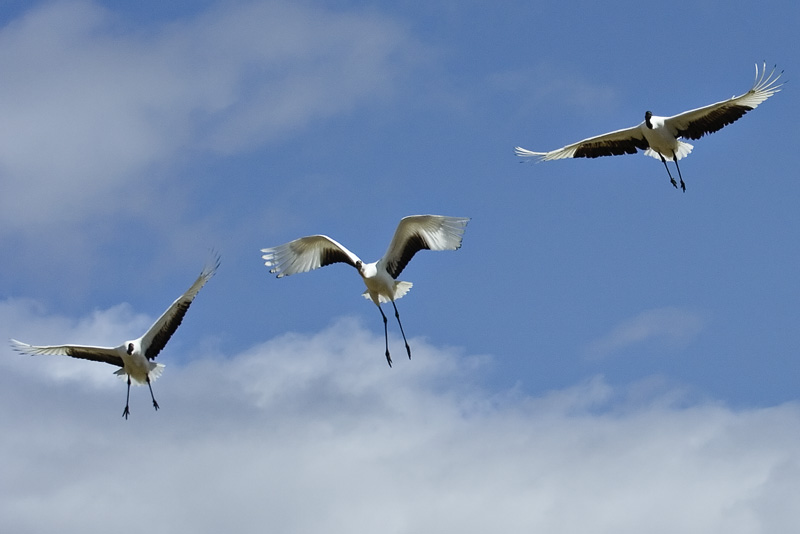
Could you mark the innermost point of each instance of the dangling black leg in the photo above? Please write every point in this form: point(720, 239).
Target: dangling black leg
point(671, 179)
point(397, 314)
point(155, 404)
point(675, 159)
point(126, 412)
point(386, 337)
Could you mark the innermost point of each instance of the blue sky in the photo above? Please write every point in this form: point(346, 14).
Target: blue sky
point(601, 341)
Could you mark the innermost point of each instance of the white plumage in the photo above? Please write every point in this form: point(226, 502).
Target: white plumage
point(414, 233)
point(660, 137)
point(134, 357)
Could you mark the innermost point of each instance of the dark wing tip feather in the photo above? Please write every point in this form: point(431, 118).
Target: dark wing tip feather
point(161, 337)
point(414, 244)
point(332, 255)
point(610, 148)
point(76, 352)
point(216, 260)
point(173, 317)
point(714, 121)
point(696, 123)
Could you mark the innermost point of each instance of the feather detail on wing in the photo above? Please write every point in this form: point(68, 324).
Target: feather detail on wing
point(616, 143)
point(696, 123)
point(306, 254)
point(418, 232)
point(95, 354)
point(162, 330)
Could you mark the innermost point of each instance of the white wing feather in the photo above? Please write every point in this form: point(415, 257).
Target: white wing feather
point(618, 142)
point(695, 123)
point(84, 352)
point(306, 254)
point(418, 232)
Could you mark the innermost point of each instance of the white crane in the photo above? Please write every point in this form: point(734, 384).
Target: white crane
point(134, 357)
point(414, 233)
point(659, 136)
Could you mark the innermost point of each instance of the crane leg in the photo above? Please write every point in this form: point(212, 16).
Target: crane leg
point(385, 336)
point(126, 412)
point(397, 314)
point(671, 179)
point(155, 404)
point(675, 159)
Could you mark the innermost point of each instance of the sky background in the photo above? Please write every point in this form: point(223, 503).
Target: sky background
point(604, 353)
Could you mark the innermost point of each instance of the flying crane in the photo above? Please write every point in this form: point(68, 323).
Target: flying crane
point(413, 233)
point(134, 357)
point(660, 137)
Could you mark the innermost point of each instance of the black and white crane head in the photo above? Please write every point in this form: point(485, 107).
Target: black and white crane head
point(134, 357)
point(661, 137)
point(413, 233)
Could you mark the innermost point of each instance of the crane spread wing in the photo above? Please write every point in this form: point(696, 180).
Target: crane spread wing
point(95, 354)
point(306, 254)
point(418, 232)
point(615, 143)
point(159, 334)
point(696, 123)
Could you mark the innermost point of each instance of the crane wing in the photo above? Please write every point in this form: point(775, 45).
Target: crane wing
point(159, 334)
point(696, 123)
point(95, 354)
point(306, 254)
point(615, 143)
point(418, 232)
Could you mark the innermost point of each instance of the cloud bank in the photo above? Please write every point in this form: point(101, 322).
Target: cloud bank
point(313, 433)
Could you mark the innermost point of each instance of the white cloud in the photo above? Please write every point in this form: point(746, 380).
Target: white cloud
point(546, 84)
point(316, 434)
point(92, 108)
point(674, 326)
